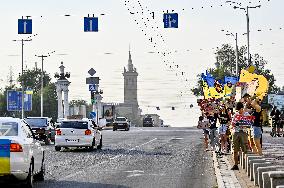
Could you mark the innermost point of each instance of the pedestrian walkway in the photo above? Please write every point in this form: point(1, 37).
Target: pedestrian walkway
point(227, 178)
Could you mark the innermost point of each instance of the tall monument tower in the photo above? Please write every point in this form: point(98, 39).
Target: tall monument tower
point(130, 83)
point(62, 85)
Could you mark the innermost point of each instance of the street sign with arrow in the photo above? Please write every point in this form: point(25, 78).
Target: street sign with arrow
point(91, 24)
point(170, 20)
point(24, 26)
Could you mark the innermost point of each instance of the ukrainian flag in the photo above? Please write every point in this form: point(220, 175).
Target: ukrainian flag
point(5, 156)
point(206, 90)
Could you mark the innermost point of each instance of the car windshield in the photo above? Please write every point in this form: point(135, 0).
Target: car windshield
point(120, 119)
point(37, 122)
point(8, 128)
point(74, 124)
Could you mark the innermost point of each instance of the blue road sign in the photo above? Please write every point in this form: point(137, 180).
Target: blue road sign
point(25, 26)
point(14, 101)
point(91, 24)
point(93, 115)
point(170, 20)
point(93, 87)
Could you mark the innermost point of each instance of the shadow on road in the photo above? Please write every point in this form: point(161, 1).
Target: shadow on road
point(63, 184)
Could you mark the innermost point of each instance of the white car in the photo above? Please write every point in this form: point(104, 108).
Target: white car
point(21, 155)
point(78, 133)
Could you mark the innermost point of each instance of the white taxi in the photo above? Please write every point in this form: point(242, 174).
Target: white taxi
point(78, 133)
point(21, 155)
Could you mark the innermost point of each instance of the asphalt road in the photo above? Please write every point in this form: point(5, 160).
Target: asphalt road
point(142, 157)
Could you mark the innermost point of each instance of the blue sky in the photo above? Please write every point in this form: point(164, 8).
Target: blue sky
point(191, 45)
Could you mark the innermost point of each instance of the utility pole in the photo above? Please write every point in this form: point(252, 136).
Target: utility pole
point(10, 77)
point(41, 88)
point(248, 30)
point(237, 50)
point(237, 56)
point(247, 14)
point(22, 81)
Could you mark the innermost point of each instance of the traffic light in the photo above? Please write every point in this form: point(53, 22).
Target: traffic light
point(93, 100)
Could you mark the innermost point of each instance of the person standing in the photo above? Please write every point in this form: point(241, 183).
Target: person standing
point(239, 134)
point(203, 119)
point(256, 131)
point(224, 119)
point(275, 114)
point(281, 124)
point(212, 118)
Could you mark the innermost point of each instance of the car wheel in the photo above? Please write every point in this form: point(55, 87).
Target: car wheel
point(101, 143)
point(57, 148)
point(91, 148)
point(29, 183)
point(114, 129)
point(40, 175)
point(47, 141)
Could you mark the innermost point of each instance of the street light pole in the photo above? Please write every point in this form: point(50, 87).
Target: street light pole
point(41, 88)
point(237, 55)
point(22, 81)
point(237, 50)
point(247, 14)
point(248, 30)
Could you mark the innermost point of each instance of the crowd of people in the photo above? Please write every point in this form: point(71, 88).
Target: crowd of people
point(277, 122)
point(231, 126)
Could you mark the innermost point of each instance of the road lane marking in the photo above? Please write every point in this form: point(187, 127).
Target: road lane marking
point(160, 130)
point(103, 162)
point(176, 138)
point(134, 148)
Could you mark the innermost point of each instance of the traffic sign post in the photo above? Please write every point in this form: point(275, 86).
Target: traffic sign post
point(93, 80)
point(91, 24)
point(93, 88)
point(170, 20)
point(92, 72)
point(14, 101)
point(24, 26)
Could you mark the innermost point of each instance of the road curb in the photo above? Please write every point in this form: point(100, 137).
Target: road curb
point(226, 178)
point(219, 178)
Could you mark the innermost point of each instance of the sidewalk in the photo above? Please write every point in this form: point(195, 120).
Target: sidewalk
point(227, 178)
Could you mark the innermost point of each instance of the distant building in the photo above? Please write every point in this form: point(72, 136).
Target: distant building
point(78, 110)
point(130, 107)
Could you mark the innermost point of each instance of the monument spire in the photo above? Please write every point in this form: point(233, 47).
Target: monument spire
point(130, 65)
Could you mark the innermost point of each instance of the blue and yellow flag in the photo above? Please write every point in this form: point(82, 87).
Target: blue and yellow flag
point(5, 156)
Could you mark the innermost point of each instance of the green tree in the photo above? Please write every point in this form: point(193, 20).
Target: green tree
point(225, 65)
point(49, 102)
point(32, 79)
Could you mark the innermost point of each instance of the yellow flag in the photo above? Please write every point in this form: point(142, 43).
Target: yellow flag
point(261, 82)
